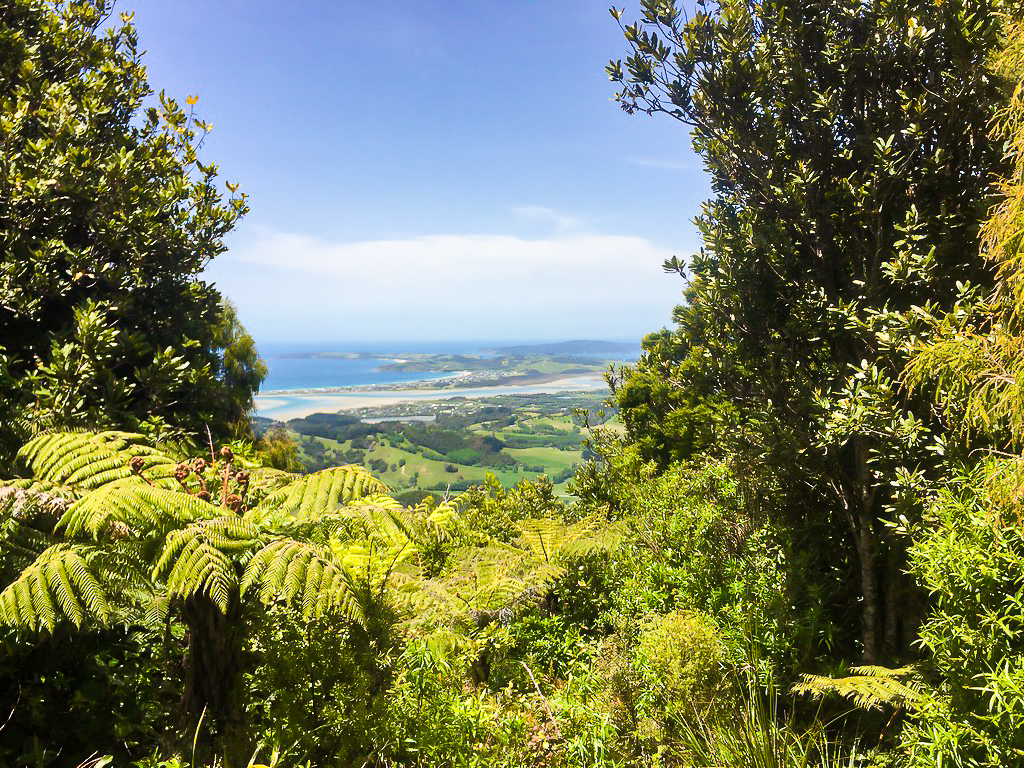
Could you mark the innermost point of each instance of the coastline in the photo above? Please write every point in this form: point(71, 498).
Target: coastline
point(282, 405)
point(453, 382)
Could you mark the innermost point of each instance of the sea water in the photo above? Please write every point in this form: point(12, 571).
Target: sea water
point(288, 369)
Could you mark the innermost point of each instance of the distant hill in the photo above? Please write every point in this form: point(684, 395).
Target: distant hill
point(568, 347)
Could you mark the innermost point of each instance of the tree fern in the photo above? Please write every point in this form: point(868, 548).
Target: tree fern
point(124, 533)
point(870, 687)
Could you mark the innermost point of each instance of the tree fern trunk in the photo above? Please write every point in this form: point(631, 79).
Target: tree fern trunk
point(212, 697)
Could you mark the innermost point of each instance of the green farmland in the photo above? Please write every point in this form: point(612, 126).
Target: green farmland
point(455, 444)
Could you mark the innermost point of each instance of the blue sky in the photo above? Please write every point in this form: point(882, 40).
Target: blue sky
point(420, 169)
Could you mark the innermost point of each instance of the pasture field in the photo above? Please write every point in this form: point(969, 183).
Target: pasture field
point(511, 437)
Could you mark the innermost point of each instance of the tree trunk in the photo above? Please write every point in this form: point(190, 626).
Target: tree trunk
point(870, 613)
point(891, 602)
point(867, 553)
point(212, 698)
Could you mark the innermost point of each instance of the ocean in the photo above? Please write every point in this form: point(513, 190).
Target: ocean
point(288, 370)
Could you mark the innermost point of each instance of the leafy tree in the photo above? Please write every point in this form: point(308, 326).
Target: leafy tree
point(107, 220)
point(849, 164)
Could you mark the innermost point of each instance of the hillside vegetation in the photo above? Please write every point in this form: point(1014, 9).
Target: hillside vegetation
point(446, 446)
point(793, 537)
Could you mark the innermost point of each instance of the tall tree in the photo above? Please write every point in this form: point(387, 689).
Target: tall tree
point(107, 220)
point(847, 149)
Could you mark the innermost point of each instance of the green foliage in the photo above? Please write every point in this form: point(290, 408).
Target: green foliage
point(279, 451)
point(968, 550)
point(682, 661)
point(759, 734)
point(850, 169)
point(693, 545)
point(494, 510)
point(969, 553)
point(107, 219)
point(145, 540)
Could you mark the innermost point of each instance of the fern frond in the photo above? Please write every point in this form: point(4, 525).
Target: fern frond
point(592, 536)
point(553, 541)
point(90, 460)
point(445, 520)
point(197, 559)
point(290, 570)
point(374, 561)
point(157, 609)
point(543, 537)
point(318, 493)
point(494, 577)
point(870, 687)
point(384, 518)
point(137, 506)
point(58, 585)
point(20, 544)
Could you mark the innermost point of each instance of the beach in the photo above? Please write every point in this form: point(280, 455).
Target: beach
point(282, 406)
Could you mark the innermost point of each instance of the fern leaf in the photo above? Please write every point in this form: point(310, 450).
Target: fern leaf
point(553, 541)
point(384, 518)
point(286, 569)
point(195, 559)
point(543, 537)
point(138, 506)
point(157, 609)
point(90, 460)
point(870, 687)
point(58, 585)
point(313, 495)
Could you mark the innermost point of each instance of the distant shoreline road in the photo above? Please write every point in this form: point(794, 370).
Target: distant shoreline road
point(295, 404)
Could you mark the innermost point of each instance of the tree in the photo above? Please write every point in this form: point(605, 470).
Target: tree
point(850, 168)
point(107, 220)
point(969, 551)
point(108, 530)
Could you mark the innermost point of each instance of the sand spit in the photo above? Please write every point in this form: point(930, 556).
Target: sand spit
point(284, 406)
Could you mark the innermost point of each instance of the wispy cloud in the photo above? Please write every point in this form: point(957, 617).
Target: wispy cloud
point(449, 286)
point(561, 222)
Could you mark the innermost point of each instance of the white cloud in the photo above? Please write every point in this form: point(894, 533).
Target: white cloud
point(448, 286)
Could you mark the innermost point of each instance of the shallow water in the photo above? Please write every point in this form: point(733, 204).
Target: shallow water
point(284, 406)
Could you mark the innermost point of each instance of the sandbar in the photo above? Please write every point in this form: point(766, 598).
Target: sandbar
point(283, 406)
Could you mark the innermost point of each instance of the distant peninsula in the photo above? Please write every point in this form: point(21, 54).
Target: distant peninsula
point(567, 347)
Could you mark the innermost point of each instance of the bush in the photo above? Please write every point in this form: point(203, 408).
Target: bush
point(681, 659)
point(969, 554)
